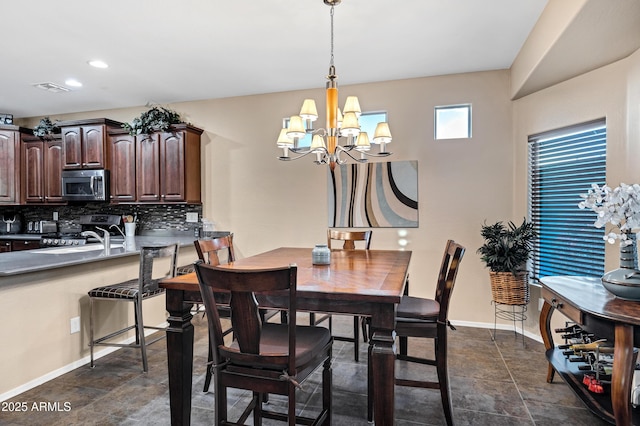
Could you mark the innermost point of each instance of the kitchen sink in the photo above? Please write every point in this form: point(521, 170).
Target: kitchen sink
point(78, 249)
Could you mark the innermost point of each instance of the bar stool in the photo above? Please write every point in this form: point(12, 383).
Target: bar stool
point(135, 291)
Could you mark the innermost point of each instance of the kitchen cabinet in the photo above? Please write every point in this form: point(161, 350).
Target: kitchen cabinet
point(18, 245)
point(121, 148)
point(42, 169)
point(84, 143)
point(10, 163)
point(168, 165)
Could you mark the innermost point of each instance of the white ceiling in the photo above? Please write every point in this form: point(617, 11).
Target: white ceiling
point(166, 51)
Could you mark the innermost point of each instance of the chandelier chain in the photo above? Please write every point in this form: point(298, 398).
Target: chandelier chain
point(331, 61)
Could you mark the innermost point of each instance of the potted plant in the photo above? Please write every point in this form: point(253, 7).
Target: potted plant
point(46, 128)
point(156, 119)
point(505, 252)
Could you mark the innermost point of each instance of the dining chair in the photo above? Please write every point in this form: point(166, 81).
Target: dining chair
point(348, 239)
point(145, 286)
point(265, 357)
point(210, 251)
point(427, 318)
point(218, 251)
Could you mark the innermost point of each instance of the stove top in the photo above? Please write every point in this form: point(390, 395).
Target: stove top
point(59, 239)
point(73, 237)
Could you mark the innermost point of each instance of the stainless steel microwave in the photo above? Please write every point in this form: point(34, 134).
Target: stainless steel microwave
point(85, 185)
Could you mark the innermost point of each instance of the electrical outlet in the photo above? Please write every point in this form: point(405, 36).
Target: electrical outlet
point(192, 217)
point(55, 215)
point(75, 325)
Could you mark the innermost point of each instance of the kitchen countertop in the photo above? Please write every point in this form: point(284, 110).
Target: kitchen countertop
point(26, 261)
point(21, 237)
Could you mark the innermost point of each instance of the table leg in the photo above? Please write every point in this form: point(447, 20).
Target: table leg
point(179, 356)
point(545, 332)
point(383, 358)
point(623, 364)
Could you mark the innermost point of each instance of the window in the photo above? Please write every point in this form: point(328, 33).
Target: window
point(453, 122)
point(368, 122)
point(562, 165)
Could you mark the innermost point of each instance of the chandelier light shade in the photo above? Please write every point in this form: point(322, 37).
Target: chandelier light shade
point(325, 142)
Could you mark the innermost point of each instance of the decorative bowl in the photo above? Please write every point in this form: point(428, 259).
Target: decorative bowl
point(623, 283)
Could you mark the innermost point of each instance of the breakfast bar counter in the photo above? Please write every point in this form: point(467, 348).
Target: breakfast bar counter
point(27, 261)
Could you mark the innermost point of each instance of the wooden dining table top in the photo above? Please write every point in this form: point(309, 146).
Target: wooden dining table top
point(365, 275)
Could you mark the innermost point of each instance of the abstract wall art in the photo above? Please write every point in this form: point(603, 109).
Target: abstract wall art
point(374, 195)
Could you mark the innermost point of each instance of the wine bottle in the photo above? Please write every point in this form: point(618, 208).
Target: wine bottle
point(570, 329)
point(592, 346)
point(578, 335)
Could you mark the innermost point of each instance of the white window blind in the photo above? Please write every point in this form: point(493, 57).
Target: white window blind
point(562, 165)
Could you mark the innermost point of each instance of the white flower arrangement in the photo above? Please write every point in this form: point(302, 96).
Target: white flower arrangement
point(619, 206)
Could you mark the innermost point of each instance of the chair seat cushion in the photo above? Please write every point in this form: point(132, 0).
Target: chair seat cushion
point(418, 308)
point(124, 290)
point(274, 341)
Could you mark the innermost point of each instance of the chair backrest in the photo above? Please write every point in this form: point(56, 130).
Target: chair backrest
point(447, 277)
point(152, 258)
point(210, 250)
point(349, 238)
point(242, 284)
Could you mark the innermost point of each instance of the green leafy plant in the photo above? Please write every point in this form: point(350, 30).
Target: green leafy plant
point(46, 128)
point(507, 247)
point(156, 119)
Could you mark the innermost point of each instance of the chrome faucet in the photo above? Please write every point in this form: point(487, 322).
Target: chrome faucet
point(105, 239)
point(118, 228)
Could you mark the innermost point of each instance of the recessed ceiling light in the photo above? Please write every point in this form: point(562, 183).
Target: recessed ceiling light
point(72, 82)
point(98, 64)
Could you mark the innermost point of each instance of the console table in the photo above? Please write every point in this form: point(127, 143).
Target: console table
point(585, 301)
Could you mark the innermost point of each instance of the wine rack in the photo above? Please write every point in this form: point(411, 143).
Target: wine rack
point(584, 361)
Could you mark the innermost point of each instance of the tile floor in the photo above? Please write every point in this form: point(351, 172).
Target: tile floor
point(492, 383)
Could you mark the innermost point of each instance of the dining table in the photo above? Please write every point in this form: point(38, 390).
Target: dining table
point(367, 283)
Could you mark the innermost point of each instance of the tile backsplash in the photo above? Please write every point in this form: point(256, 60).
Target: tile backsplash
point(151, 217)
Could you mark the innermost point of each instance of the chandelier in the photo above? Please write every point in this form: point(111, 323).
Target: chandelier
point(325, 142)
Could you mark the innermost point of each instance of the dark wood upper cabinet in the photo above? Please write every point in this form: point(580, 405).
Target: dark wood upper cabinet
point(162, 167)
point(53, 171)
point(42, 169)
point(84, 143)
point(10, 162)
point(122, 158)
point(168, 166)
point(148, 167)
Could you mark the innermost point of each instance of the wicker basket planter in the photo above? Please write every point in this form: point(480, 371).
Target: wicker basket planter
point(509, 289)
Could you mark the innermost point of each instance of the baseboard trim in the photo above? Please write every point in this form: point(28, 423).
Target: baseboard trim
point(490, 326)
point(70, 367)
